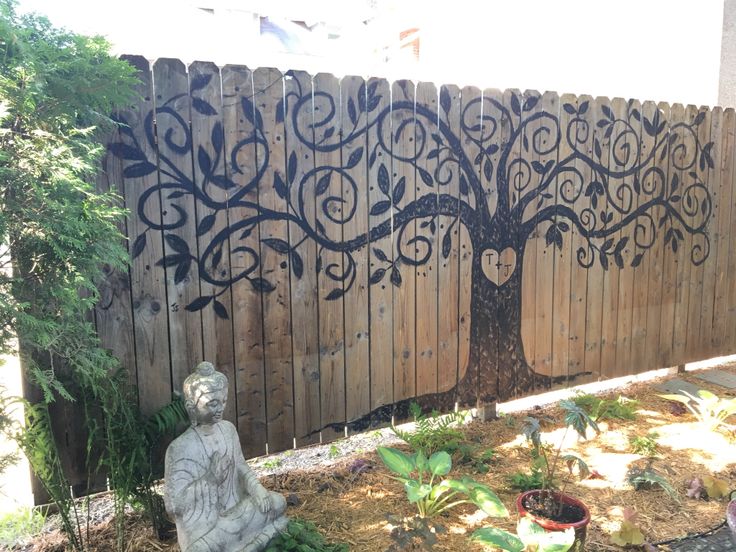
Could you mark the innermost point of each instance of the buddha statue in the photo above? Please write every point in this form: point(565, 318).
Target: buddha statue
point(215, 498)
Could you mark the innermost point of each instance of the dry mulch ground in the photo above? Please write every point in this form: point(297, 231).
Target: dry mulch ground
point(351, 505)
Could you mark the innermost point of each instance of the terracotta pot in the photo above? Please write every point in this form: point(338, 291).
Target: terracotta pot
point(580, 527)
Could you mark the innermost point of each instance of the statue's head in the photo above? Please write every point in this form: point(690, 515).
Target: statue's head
point(205, 394)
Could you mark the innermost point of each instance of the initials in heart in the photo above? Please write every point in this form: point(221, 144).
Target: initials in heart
point(498, 267)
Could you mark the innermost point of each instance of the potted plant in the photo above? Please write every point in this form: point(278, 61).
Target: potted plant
point(550, 507)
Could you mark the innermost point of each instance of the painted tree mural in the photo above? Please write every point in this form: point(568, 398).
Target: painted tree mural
point(523, 170)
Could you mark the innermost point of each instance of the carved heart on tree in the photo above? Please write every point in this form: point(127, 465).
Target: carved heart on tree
point(498, 267)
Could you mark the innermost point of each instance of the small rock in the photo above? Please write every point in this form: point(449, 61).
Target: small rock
point(323, 487)
point(293, 500)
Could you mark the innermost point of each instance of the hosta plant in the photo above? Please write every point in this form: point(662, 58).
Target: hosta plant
point(707, 407)
point(427, 487)
point(530, 537)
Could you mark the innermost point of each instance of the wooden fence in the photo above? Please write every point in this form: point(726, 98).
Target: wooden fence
point(339, 247)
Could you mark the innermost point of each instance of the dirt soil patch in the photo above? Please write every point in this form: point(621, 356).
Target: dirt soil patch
point(346, 492)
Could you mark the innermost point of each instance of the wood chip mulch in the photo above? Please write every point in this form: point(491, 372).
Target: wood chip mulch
point(351, 500)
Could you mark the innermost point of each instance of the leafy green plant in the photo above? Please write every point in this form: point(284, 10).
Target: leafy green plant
point(707, 487)
point(434, 432)
point(599, 409)
point(521, 481)
point(334, 452)
point(426, 486)
point(17, 526)
point(468, 454)
point(629, 534)
point(707, 407)
point(303, 536)
point(530, 536)
point(645, 445)
point(546, 459)
point(648, 477)
point(272, 464)
point(58, 238)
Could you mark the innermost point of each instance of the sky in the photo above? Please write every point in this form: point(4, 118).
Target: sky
point(662, 50)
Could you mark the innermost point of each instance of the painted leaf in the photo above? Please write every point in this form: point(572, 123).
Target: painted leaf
point(426, 177)
point(396, 277)
point(205, 224)
point(278, 245)
point(355, 158)
point(199, 303)
point(291, 168)
point(380, 207)
point(322, 184)
point(205, 161)
point(199, 82)
point(182, 270)
point(399, 190)
point(216, 258)
point(220, 310)
point(262, 285)
point(139, 169)
point(335, 294)
point(203, 107)
point(445, 100)
point(515, 107)
point(297, 265)
point(217, 137)
point(125, 151)
point(377, 276)
point(280, 186)
point(177, 244)
point(383, 180)
point(138, 245)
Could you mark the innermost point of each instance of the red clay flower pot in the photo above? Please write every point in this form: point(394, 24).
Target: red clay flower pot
point(580, 526)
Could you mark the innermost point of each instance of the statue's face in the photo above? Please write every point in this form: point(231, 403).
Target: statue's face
point(210, 406)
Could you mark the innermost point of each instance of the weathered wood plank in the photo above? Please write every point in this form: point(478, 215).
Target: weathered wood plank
point(304, 291)
point(355, 193)
point(148, 280)
point(687, 286)
point(448, 278)
point(471, 134)
point(426, 274)
point(658, 178)
point(268, 100)
point(113, 312)
point(541, 151)
point(613, 208)
point(212, 220)
point(332, 263)
point(566, 185)
point(645, 177)
point(404, 298)
point(670, 264)
point(178, 215)
point(713, 182)
point(381, 252)
point(630, 152)
point(244, 168)
point(721, 313)
point(581, 135)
